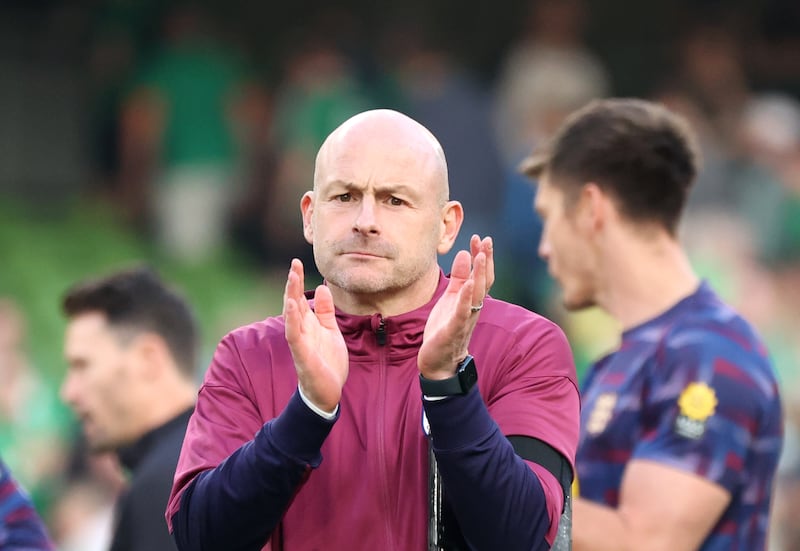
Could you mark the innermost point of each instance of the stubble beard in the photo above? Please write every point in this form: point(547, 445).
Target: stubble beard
point(373, 282)
point(98, 444)
point(577, 306)
point(577, 302)
point(370, 280)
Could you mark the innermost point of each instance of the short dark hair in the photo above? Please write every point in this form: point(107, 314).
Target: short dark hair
point(137, 300)
point(641, 153)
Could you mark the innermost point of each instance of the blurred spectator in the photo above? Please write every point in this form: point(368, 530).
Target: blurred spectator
point(773, 47)
point(131, 344)
point(82, 520)
point(248, 217)
point(180, 161)
point(20, 525)
point(709, 87)
point(548, 73)
point(515, 250)
point(318, 92)
point(452, 103)
point(767, 177)
point(710, 70)
point(122, 34)
point(31, 424)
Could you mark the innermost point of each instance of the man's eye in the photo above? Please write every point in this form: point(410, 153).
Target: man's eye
point(394, 201)
point(344, 197)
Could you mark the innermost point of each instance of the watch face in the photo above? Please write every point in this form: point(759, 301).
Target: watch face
point(470, 376)
point(467, 374)
point(464, 379)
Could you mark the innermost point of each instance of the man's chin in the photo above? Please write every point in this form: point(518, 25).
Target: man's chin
point(573, 304)
point(98, 445)
point(101, 447)
point(358, 279)
point(362, 286)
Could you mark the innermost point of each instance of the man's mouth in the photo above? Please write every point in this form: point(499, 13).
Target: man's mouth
point(362, 254)
point(84, 418)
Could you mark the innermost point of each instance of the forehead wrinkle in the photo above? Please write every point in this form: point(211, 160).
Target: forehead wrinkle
point(406, 141)
point(378, 187)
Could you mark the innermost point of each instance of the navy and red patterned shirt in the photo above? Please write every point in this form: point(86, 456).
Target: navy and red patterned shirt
point(695, 390)
point(21, 529)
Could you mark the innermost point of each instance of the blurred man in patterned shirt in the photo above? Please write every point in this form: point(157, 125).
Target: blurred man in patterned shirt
point(20, 525)
point(681, 426)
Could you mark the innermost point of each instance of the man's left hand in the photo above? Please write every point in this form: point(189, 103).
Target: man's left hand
point(455, 315)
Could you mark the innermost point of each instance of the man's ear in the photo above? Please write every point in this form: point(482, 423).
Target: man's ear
point(307, 208)
point(593, 208)
point(151, 353)
point(452, 216)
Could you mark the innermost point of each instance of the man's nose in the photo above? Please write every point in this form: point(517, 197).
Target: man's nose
point(366, 220)
point(68, 390)
point(544, 248)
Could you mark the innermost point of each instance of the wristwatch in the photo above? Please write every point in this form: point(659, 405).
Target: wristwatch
point(465, 378)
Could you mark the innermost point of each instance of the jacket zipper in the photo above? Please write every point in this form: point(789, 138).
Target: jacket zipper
point(380, 332)
point(380, 336)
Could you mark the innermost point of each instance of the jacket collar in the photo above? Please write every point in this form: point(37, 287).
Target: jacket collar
point(131, 456)
point(401, 334)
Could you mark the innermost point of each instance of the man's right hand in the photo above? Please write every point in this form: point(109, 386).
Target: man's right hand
point(317, 346)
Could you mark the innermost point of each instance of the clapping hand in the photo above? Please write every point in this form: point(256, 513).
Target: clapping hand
point(455, 315)
point(316, 343)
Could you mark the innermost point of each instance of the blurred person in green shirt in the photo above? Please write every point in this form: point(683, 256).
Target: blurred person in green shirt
point(180, 129)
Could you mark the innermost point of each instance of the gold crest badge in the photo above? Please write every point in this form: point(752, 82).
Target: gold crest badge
point(696, 404)
point(698, 401)
point(602, 413)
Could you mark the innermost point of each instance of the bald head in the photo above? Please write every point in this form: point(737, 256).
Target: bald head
point(392, 137)
point(379, 213)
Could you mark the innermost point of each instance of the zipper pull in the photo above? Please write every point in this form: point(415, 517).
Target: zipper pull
point(380, 332)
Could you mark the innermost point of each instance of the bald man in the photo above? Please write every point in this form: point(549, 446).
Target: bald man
point(394, 407)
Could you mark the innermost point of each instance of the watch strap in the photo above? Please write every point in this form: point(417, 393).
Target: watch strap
point(461, 382)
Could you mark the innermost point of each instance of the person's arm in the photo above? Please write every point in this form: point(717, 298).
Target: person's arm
point(498, 499)
point(660, 508)
point(230, 499)
point(142, 120)
point(678, 484)
point(20, 525)
point(239, 503)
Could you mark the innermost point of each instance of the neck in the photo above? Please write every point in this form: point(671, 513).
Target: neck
point(389, 302)
point(645, 278)
point(167, 402)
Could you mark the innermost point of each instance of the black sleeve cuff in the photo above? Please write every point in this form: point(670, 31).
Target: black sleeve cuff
point(299, 433)
point(458, 421)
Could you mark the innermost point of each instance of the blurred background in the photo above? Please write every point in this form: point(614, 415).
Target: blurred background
point(182, 134)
